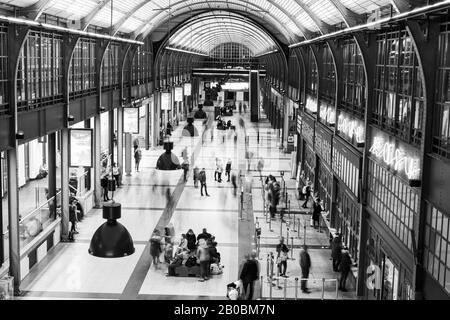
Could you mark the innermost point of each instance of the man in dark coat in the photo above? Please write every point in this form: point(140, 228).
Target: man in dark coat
point(317, 210)
point(204, 235)
point(248, 276)
point(202, 177)
point(344, 268)
point(305, 264)
point(336, 247)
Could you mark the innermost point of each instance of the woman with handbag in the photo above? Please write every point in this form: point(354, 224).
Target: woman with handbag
point(282, 257)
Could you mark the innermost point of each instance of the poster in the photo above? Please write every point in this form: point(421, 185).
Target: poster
point(187, 89)
point(165, 101)
point(239, 96)
point(178, 94)
point(80, 147)
point(131, 120)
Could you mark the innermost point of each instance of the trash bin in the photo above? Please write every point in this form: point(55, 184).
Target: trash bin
point(7, 288)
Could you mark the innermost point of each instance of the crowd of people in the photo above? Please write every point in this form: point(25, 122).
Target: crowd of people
point(200, 250)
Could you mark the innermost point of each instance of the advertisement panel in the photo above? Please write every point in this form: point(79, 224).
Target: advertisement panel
point(179, 94)
point(81, 144)
point(187, 89)
point(165, 101)
point(240, 96)
point(131, 120)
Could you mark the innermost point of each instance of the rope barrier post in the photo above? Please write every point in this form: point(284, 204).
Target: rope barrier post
point(337, 290)
point(270, 223)
point(281, 228)
point(304, 234)
point(261, 288)
point(285, 288)
point(298, 230)
point(323, 287)
point(242, 202)
point(294, 225)
point(296, 288)
point(289, 208)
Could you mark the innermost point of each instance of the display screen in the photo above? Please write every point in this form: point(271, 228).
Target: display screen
point(131, 120)
point(80, 147)
point(165, 101)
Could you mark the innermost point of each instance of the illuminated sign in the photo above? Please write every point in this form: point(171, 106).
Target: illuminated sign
point(311, 105)
point(165, 101)
point(397, 158)
point(187, 89)
point(179, 94)
point(131, 120)
point(351, 128)
point(240, 96)
point(327, 114)
point(80, 147)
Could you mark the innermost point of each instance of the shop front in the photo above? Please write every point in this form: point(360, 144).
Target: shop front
point(345, 218)
point(308, 155)
point(324, 181)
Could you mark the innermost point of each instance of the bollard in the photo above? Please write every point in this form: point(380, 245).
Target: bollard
point(285, 288)
point(323, 287)
point(337, 290)
point(296, 288)
point(292, 250)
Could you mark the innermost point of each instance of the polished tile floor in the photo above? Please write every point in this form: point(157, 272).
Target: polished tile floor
point(69, 272)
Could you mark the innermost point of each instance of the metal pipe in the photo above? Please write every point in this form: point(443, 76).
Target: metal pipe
point(285, 288)
point(292, 248)
point(323, 287)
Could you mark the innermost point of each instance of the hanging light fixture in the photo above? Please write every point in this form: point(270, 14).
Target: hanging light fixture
point(112, 239)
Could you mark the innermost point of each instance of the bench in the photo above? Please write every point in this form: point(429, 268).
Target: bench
point(183, 271)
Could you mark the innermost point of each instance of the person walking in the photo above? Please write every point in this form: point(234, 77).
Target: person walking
point(137, 158)
point(307, 192)
point(104, 185)
point(73, 220)
point(234, 183)
point(228, 169)
point(219, 171)
point(185, 167)
point(155, 247)
point(248, 275)
point(282, 256)
point(135, 144)
point(344, 268)
point(203, 257)
point(336, 248)
point(202, 176)
point(196, 176)
point(305, 265)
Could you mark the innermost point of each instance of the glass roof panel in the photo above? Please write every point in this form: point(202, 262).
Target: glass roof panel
point(364, 6)
point(20, 3)
point(70, 9)
point(325, 11)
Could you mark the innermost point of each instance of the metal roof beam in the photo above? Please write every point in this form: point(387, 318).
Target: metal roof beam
point(86, 21)
point(321, 25)
point(34, 11)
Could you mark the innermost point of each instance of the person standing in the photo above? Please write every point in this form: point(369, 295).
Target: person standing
point(72, 219)
point(305, 265)
point(196, 176)
point(155, 247)
point(191, 240)
point(116, 174)
point(203, 182)
point(135, 143)
point(249, 274)
point(203, 257)
point(234, 183)
point(282, 256)
point(228, 169)
point(137, 158)
point(317, 210)
point(219, 171)
point(336, 254)
point(104, 185)
point(344, 268)
point(185, 166)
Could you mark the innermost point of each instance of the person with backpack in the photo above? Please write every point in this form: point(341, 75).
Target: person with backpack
point(137, 158)
point(203, 182)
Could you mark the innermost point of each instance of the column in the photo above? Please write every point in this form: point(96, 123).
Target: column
point(147, 125)
point(120, 138)
point(97, 172)
point(111, 134)
point(13, 215)
point(51, 164)
point(286, 121)
point(254, 95)
point(64, 184)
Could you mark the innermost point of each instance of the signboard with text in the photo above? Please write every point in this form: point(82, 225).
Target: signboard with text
point(131, 120)
point(81, 144)
point(165, 101)
point(179, 94)
point(187, 89)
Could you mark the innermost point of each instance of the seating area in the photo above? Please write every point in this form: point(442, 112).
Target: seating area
point(186, 260)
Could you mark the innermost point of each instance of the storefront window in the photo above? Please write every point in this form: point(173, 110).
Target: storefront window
point(325, 181)
point(82, 69)
point(437, 246)
point(393, 201)
point(327, 90)
point(309, 163)
point(312, 74)
point(110, 67)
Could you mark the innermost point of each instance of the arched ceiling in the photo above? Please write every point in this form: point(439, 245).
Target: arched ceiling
point(289, 21)
point(206, 31)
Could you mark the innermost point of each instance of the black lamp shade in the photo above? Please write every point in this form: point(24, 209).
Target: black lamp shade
point(112, 239)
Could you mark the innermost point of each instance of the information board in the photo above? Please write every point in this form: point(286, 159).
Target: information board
point(80, 147)
point(165, 101)
point(187, 89)
point(179, 94)
point(131, 120)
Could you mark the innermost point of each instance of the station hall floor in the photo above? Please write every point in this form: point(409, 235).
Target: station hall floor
point(69, 272)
